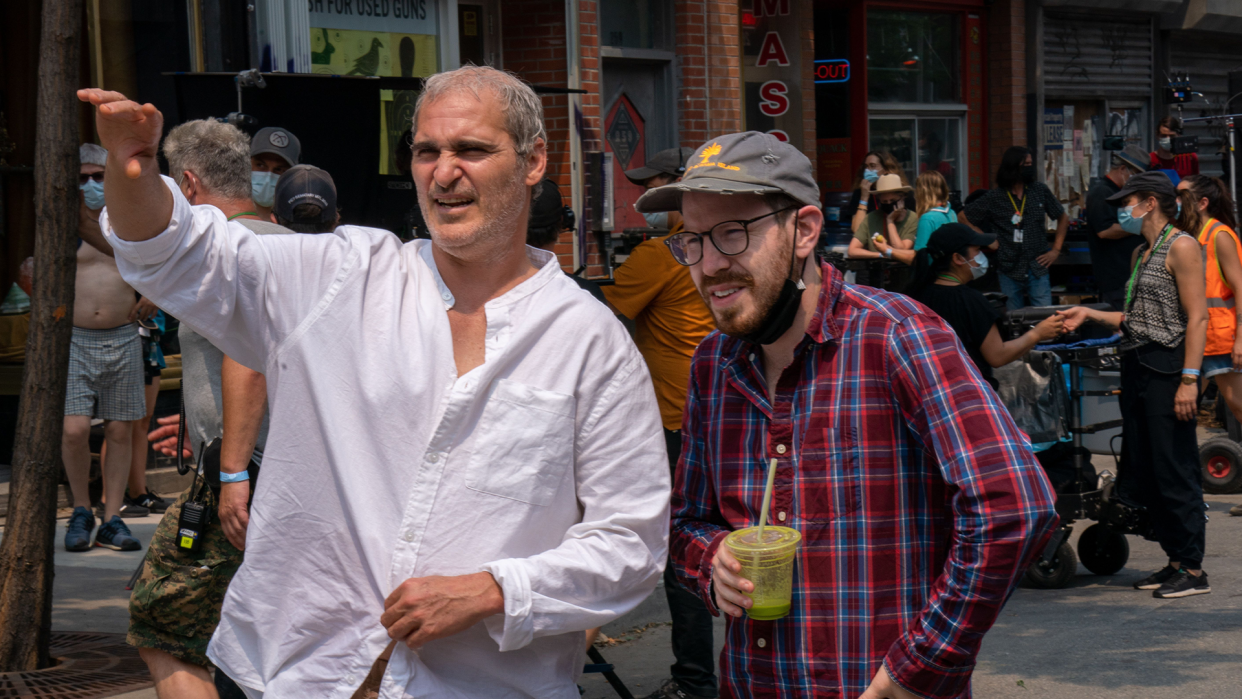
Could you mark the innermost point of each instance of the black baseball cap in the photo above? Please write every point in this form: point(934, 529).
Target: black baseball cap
point(546, 207)
point(305, 184)
point(277, 141)
point(954, 237)
point(1150, 181)
point(739, 163)
point(672, 161)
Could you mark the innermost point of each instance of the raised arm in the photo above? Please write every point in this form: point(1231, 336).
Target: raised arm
point(140, 204)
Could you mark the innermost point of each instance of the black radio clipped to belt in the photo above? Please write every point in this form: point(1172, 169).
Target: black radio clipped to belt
point(205, 496)
point(195, 516)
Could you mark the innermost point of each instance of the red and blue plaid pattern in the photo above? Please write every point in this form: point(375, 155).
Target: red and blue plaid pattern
point(918, 499)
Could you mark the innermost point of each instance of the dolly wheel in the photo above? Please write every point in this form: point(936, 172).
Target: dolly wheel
point(1054, 574)
point(1103, 550)
point(1222, 466)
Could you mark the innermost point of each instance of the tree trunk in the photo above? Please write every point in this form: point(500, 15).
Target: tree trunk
point(26, 567)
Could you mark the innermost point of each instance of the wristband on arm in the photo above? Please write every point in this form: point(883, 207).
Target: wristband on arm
point(234, 477)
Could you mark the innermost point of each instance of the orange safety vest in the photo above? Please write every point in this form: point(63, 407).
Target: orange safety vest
point(1222, 314)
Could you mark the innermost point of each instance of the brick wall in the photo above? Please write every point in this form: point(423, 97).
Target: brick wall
point(806, 9)
point(696, 45)
point(1006, 78)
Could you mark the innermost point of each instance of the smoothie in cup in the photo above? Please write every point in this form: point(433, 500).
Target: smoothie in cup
point(769, 565)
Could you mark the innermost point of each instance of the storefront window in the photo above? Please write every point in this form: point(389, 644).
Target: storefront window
point(921, 144)
point(912, 57)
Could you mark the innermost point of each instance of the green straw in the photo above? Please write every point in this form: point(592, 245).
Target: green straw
point(767, 499)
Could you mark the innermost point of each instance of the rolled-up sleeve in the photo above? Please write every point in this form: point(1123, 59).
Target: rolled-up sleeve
point(1001, 501)
point(610, 561)
point(244, 293)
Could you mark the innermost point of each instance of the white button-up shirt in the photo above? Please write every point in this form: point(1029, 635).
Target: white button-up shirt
point(544, 466)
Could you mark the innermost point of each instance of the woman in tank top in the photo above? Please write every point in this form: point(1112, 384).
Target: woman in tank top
point(1165, 330)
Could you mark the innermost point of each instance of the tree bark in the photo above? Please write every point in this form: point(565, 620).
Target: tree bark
point(26, 567)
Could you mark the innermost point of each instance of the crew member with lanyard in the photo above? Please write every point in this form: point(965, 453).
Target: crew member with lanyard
point(1165, 326)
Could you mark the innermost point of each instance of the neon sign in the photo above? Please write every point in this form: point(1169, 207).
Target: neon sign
point(833, 70)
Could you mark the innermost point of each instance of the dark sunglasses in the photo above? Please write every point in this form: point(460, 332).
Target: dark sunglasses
point(97, 176)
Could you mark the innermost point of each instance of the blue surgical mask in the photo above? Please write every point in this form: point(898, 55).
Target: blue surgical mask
point(981, 268)
point(1165, 142)
point(657, 220)
point(92, 191)
point(1128, 222)
point(871, 175)
point(263, 188)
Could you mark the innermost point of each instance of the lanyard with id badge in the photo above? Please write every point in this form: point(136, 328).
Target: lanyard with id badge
point(1017, 216)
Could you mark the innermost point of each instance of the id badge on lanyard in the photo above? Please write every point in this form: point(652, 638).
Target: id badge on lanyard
point(1017, 235)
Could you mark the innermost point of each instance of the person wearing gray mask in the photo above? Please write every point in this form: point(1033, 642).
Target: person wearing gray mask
point(1184, 164)
point(273, 150)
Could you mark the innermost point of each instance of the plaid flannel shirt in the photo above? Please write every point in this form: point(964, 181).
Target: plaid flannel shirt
point(919, 501)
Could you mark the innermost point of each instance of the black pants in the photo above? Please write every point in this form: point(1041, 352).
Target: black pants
point(695, 669)
point(1160, 462)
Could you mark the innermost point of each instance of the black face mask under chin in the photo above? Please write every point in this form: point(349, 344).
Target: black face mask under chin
point(780, 316)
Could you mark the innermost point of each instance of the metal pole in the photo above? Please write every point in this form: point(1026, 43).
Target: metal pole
point(1233, 167)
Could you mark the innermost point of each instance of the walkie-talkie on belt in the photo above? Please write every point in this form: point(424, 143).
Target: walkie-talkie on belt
point(195, 516)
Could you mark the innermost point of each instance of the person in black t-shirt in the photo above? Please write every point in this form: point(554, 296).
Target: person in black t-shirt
point(953, 257)
point(1112, 249)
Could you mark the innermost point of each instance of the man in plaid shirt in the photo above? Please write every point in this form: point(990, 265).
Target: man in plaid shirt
point(918, 500)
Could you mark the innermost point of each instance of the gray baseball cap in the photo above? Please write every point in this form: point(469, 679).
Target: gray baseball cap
point(278, 141)
point(672, 161)
point(739, 163)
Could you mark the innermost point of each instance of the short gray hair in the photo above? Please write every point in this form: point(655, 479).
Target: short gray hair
point(523, 111)
point(217, 153)
point(91, 154)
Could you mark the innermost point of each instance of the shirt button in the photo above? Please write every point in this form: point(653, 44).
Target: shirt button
point(780, 449)
point(780, 516)
point(751, 357)
point(432, 458)
point(351, 679)
point(408, 536)
point(761, 643)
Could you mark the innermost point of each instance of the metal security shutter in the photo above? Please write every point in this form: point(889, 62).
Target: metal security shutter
point(1097, 57)
point(1208, 60)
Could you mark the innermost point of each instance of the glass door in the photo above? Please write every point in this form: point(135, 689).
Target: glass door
point(921, 143)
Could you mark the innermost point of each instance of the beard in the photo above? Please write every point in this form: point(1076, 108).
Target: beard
point(498, 217)
point(739, 319)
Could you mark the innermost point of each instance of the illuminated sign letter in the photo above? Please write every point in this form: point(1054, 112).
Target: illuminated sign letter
point(775, 100)
point(772, 50)
point(835, 70)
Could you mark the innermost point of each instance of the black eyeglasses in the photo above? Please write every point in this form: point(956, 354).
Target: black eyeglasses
point(97, 176)
point(729, 237)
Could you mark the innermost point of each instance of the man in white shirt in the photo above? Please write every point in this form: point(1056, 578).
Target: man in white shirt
point(464, 452)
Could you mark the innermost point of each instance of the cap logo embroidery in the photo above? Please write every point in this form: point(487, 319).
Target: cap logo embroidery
point(706, 156)
point(770, 158)
point(279, 139)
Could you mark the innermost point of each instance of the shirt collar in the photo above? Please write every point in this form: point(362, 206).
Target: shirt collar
point(547, 263)
point(822, 327)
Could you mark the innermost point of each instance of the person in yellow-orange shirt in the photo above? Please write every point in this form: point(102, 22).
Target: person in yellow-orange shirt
point(670, 320)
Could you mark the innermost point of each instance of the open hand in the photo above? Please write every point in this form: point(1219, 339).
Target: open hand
point(164, 438)
point(883, 687)
point(1049, 257)
point(130, 131)
point(1186, 401)
point(1074, 317)
point(730, 587)
point(424, 609)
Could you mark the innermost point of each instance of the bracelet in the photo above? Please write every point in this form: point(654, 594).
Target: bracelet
point(234, 477)
point(1191, 372)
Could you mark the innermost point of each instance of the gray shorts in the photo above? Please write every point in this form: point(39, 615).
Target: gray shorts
point(105, 374)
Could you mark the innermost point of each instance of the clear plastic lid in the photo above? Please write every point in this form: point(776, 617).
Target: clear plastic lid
point(777, 541)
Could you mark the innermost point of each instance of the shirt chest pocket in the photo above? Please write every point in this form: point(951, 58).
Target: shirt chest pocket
point(523, 444)
point(831, 473)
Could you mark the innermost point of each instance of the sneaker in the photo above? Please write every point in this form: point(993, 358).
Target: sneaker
point(1156, 579)
point(1235, 511)
point(78, 533)
point(1184, 585)
point(115, 535)
point(672, 690)
point(127, 510)
point(150, 501)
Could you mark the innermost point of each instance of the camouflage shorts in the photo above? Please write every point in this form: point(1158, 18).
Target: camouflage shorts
point(175, 606)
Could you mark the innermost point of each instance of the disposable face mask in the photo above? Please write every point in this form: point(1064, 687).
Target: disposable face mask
point(1128, 221)
point(1166, 143)
point(981, 268)
point(92, 191)
point(657, 220)
point(871, 175)
point(263, 188)
point(887, 208)
point(1028, 174)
